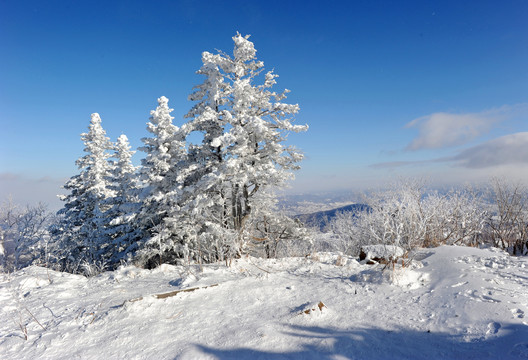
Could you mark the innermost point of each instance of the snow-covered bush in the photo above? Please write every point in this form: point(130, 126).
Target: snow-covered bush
point(409, 217)
point(507, 223)
point(456, 217)
point(273, 234)
point(395, 217)
point(24, 236)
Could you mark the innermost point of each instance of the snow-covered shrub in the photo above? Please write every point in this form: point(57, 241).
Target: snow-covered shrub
point(507, 223)
point(270, 233)
point(409, 217)
point(24, 236)
point(395, 217)
point(279, 236)
point(92, 269)
point(456, 217)
point(345, 233)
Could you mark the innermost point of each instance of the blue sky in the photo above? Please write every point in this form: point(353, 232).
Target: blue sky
point(414, 88)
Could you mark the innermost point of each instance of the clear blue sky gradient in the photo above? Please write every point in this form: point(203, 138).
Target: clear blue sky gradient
point(360, 71)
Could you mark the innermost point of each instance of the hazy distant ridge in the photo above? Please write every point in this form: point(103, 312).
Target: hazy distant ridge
point(321, 218)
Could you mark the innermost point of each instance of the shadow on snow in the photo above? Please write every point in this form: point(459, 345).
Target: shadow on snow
point(511, 342)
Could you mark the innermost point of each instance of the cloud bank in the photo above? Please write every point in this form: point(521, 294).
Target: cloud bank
point(508, 149)
point(440, 130)
point(31, 190)
point(396, 164)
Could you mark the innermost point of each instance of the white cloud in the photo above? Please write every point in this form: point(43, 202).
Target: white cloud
point(508, 149)
point(441, 129)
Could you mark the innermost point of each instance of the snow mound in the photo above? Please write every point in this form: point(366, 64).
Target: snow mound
point(381, 252)
point(409, 278)
point(337, 259)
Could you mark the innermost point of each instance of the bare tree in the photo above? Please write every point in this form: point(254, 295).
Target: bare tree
point(508, 220)
point(23, 234)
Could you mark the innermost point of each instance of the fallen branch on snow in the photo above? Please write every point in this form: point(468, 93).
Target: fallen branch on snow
point(172, 293)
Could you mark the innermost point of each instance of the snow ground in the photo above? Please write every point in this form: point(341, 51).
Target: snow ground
point(454, 303)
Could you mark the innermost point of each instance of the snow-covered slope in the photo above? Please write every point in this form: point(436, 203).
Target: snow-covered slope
point(455, 302)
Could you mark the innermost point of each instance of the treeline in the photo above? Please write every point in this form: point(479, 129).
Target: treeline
point(410, 216)
point(407, 215)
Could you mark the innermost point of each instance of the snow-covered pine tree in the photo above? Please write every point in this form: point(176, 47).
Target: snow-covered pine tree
point(84, 207)
point(244, 126)
point(165, 152)
point(122, 207)
point(202, 218)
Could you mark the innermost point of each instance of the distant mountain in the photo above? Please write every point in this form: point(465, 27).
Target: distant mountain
point(311, 203)
point(321, 218)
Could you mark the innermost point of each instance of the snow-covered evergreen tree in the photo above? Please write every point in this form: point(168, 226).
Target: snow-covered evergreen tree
point(202, 218)
point(165, 152)
point(244, 126)
point(203, 201)
point(84, 206)
point(123, 206)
